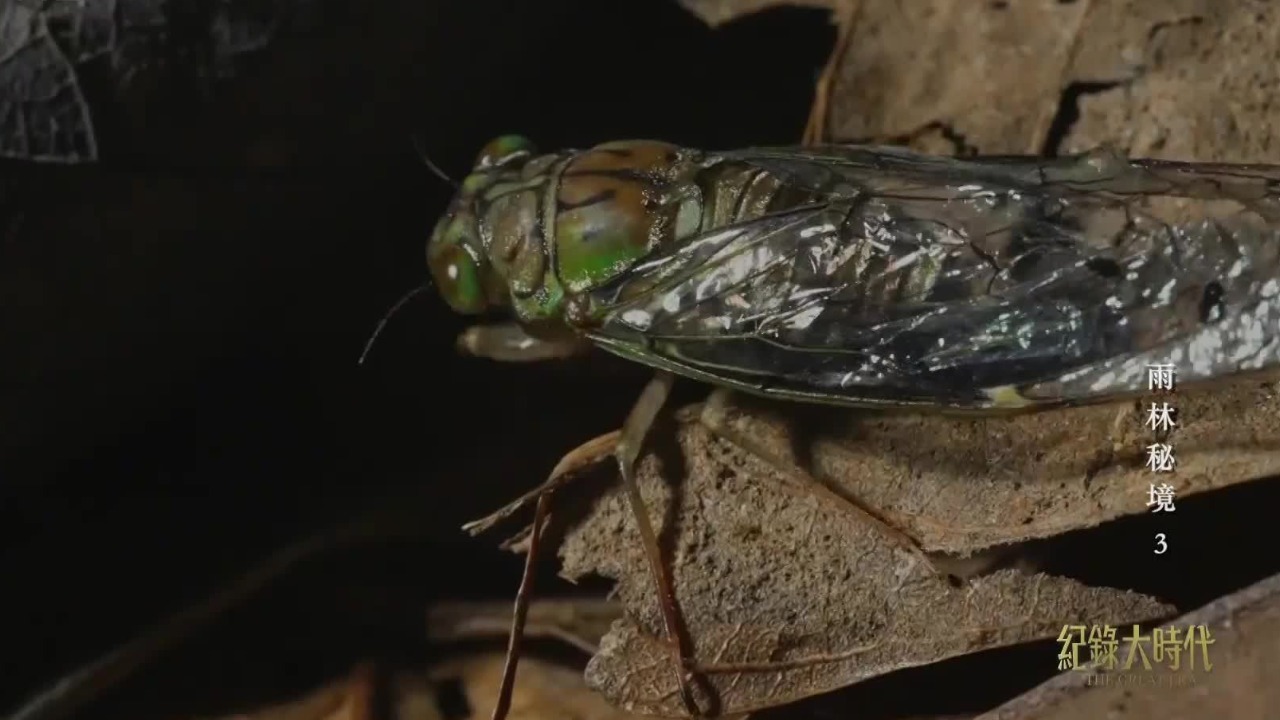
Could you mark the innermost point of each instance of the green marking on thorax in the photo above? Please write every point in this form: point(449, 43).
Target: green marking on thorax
point(585, 263)
point(506, 188)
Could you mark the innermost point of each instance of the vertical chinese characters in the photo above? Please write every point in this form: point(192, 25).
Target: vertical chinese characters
point(1161, 419)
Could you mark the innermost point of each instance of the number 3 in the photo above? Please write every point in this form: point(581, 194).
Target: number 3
point(1161, 545)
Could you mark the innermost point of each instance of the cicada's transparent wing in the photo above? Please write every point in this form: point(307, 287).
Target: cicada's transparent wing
point(967, 284)
point(843, 168)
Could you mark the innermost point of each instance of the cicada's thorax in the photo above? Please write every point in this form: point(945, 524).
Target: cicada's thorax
point(560, 226)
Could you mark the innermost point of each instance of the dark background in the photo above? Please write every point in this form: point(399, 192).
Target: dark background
point(183, 318)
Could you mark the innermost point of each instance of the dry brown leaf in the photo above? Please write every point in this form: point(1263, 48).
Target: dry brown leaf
point(990, 73)
point(719, 12)
point(854, 606)
point(1192, 79)
point(1205, 80)
point(1241, 684)
point(962, 485)
point(857, 603)
point(808, 596)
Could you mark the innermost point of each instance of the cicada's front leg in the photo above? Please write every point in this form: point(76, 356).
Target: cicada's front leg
point(511, 342)
point(625, 445)
point(586, 454)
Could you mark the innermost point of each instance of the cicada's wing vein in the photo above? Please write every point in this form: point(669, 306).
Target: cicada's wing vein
point(930, 281)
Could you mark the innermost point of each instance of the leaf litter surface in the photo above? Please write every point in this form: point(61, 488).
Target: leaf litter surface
point(786, 587)
point(1182, 79)
point(789, 590)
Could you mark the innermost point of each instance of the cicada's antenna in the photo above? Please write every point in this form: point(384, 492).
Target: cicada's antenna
point(387, 316)
point(435, 169)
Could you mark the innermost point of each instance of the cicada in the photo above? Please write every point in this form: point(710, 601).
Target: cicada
point(865, 276)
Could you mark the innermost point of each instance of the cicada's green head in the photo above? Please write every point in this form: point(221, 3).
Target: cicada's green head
point(456, 253)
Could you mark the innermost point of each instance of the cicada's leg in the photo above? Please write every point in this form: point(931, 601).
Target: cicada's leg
point(509, 342)
point(634, 430)
point(712, 417)
point(583, 455)
point(521, 613)
point(815, 130)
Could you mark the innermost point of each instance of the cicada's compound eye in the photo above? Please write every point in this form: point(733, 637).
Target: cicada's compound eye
point(501, 151)
point(456, 266)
